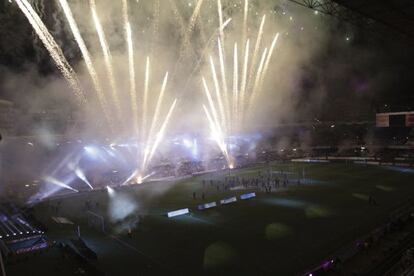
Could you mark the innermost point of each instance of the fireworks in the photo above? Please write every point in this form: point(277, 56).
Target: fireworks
point(186, 31)
point(107, 56)
point(131, 66)
point(235, 108)
point(145, 100)
point(150, 151)
point(150, 135)
point(53, 48)
point(87, 58)
point(244, 79)
point(237, 66)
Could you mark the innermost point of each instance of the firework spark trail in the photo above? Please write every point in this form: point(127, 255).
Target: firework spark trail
point(183, 26)
point(221, 49)
point(218, 94)
point(53, 48)
point(258, 77)
point(217, 134)
point(87, 58)
point(179, 19)
point(263, 71)
point(107, 56)
point(145, 153)
point(159, 135)
point(145, 101)
point(235, 88)
point(211, 103)
point(56, 182)
point(246, 12)
point(131, 65)
point(215, 130)
point(245, 53)
point(132, 83)
point(158, 106)
point(224, 82)
point(204, 52)
point(238, 103)
point(46, 37)
point(186, 39)
point(268, 58)
point(220, 12)
point(183, 32)
point(213, 121)
point(155, 26)
point(194, 17)
point(244, 82)
point(244, 30)
point(256, 49)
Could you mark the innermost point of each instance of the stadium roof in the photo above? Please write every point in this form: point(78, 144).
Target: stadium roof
point(396, 15)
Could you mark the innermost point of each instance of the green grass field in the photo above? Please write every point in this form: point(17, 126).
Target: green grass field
point(281, 233)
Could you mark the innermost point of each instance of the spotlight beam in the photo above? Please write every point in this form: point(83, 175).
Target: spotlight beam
point(79, 173)
point(56, 182)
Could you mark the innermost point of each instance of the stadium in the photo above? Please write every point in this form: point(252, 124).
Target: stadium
point(201, 137)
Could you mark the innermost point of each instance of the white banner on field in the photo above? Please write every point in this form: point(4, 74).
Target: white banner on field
point(228, 200)
point(178, 212)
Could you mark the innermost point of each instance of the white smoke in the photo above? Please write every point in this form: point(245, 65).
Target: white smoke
point(121, 206)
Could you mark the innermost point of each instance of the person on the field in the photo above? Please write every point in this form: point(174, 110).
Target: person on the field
point(371, 200)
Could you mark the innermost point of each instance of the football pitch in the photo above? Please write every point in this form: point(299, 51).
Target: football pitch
point(282, 232)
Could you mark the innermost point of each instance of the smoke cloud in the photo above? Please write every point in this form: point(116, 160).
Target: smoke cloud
point(301, 80)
